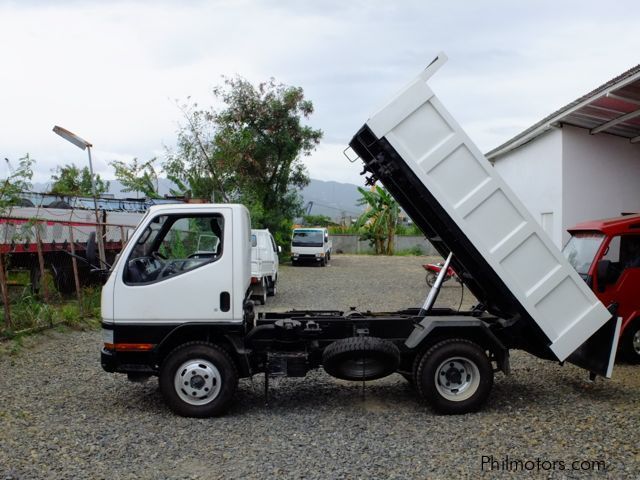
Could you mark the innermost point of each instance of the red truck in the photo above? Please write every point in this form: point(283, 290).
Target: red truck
point(606, 254)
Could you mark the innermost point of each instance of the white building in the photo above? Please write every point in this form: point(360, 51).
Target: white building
point(581, 162)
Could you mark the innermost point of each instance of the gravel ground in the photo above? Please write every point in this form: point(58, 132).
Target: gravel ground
point(61, 416)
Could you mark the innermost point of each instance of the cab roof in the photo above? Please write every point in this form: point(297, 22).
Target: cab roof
point(611, 226)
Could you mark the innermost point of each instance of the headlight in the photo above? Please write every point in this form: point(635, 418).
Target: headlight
point(319, 254)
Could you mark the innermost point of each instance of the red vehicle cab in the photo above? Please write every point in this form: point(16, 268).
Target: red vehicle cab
point(606, 254)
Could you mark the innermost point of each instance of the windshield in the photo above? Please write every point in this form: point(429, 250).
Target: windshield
point(307, 238)
point(581, 249)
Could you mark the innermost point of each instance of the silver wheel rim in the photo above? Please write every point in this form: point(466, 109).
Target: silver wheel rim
point(457, 379)
point(636, 341)
point(197, 382)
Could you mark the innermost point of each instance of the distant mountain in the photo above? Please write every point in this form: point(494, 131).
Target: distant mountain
point(333, 199)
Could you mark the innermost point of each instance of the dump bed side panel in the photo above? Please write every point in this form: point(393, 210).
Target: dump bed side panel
point(414, 143)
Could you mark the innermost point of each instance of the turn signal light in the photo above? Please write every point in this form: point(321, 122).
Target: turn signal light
point(129, 347)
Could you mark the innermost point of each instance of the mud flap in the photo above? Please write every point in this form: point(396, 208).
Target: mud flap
point(598, 353)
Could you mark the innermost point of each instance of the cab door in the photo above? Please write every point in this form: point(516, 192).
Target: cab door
point(621, 282)
point(178, 269)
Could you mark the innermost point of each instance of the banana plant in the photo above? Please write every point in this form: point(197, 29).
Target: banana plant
point(380, 219)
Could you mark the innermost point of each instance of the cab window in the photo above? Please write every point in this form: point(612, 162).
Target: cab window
point(623, 252)
point(174, 244)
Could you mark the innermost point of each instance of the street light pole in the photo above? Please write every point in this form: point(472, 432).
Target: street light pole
point(83, 144)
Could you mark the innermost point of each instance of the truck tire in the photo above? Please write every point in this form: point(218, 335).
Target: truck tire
point(35, 279)
point(630, 342)
point(409, 378)
point(198, 379)
point(455, 376)
point(262, 298)
point(63, 279)
point(271, 287)
point(361, 358)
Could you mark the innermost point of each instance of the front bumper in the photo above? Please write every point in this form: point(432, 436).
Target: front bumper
point(128, 362)
point(306, 258)
point(108, 360)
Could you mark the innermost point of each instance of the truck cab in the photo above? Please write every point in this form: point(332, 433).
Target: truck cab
point(311, 244)
point(606, 254)
point(163, 278)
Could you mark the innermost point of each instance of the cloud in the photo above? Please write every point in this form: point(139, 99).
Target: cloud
point(110, 71)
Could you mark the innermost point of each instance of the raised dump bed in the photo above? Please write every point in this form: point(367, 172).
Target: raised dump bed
point(451, 191)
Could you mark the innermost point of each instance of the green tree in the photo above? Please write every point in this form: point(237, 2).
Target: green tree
point(380, 219)
point(69, 180)
point(138, 177)
point(250, 151)
point(18, 181)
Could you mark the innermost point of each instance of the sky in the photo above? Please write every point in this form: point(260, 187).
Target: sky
point(112, 71)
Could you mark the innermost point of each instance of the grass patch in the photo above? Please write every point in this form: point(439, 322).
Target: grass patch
point(30, 314)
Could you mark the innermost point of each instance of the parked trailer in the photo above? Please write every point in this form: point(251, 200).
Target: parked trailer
point(56, 228)
point(189, 320)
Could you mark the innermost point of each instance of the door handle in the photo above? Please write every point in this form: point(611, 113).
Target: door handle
point(225, 301)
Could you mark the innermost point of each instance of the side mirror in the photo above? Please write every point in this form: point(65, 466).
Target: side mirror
point(279, 249)
point(602, 273)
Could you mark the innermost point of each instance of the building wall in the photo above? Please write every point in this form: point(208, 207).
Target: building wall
point(534, 172)
point(601, 176)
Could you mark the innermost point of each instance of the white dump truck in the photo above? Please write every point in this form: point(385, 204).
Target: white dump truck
point(189, 320)
point(264, 264)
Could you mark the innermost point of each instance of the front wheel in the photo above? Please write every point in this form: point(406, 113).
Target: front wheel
point(455, 376)
point(198, 379)
point(630, 342)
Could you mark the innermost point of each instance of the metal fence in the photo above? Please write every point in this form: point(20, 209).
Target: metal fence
point(44, 271)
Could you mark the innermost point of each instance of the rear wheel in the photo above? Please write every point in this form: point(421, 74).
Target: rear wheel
point(271, 287)
point(431, 279)
point(198, 379)
point(630, 342)
point(455, 376)
point(262, 298)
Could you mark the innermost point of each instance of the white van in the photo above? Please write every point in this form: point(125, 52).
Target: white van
point(264, 265)
point(310, 245)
